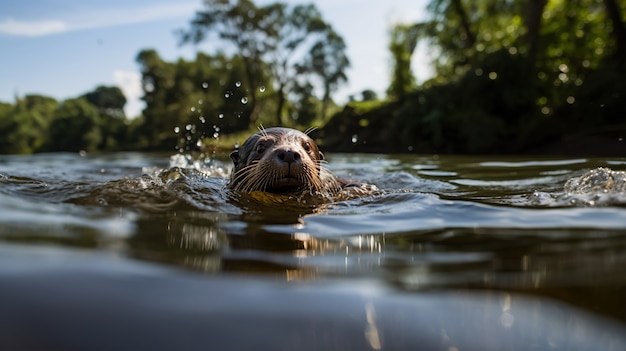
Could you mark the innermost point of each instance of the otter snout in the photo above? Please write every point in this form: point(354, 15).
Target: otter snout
point(287, 155)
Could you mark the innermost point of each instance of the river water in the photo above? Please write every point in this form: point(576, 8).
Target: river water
point(138, 251)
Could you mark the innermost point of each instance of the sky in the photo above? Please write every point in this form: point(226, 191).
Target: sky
point(65, 48)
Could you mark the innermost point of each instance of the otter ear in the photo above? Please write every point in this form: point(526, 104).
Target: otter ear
point(235, 157)
point(321, 156)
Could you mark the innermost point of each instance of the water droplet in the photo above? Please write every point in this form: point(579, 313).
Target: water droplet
point(200, 102)
point(202, 119)
point(205, 85)
point(176, 130)
point(188, 127)
point(244, 100)
point(262, 88)
point(216, 135)
point(493, 75)
point(227, 94)
point(570, 100)
point(237, 84)
point(355, 138)
point(193, 109)
point(220, 116)
point(82, 153)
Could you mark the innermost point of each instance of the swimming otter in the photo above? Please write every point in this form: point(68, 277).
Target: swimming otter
point(282, 160)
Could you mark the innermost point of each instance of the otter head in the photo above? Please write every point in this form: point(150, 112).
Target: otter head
point(277, 160)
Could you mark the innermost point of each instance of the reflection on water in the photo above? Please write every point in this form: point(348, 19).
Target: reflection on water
point(492, 244)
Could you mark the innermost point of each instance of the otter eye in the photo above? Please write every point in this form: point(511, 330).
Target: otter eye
point(307, 147)
point(260, 148)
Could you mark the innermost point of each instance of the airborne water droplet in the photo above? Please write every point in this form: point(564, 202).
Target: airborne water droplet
point(262, 88)
point(237, 84)
point(244, 100)
point(227, 94)
point(176, 130)
point(205, 85)
point(220, 116)
point(355, 138)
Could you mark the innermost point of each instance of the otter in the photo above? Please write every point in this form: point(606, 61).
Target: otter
point(282, 160)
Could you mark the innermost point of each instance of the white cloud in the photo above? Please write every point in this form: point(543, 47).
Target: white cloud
point(32, 28)
point(100, 18)
point(130, 84)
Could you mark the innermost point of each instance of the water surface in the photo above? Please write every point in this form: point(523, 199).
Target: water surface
point(465, 252)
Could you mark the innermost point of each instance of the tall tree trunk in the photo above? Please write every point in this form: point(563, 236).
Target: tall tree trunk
point(619, 29)
point(534, 15)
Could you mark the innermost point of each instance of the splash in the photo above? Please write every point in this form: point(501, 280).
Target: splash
point(597, 187)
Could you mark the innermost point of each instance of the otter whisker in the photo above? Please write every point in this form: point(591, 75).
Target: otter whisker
point(260, 165)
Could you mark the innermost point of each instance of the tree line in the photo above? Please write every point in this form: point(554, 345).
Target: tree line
point(283, 60)
point(510, 76)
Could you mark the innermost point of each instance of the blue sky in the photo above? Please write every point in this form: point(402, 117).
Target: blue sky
point(64, 48)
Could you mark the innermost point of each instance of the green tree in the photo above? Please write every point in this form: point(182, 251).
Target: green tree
point(402, 44)
point(190, 99)
point(510, 76)
point(24, 126)
point(76, 126)
point(328, 61)
point(110, 103)
point(275, 36)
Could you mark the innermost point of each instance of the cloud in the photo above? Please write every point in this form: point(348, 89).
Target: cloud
point(97, 18)
point(130, 84)
point(32, 28)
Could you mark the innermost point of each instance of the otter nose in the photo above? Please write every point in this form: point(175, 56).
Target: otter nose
point(287, 155)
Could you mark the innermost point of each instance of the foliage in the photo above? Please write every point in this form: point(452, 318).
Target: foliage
point(24, 126)
point(196, 98)
point(294, 44)
point(36, 123)
point(512, 76)
point(402, 44)
point(76, 126)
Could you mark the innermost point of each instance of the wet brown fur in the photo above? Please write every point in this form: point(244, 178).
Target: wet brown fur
point(281, 160)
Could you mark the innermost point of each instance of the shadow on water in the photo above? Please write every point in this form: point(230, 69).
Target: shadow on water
point(462, 253)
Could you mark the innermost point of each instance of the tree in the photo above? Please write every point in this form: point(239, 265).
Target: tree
point(275, 36)
point(190, 99)
point(402, 45)
point(329, 62)
point(76, 126)
point(240, 23)
point(24, 126)
point(110, 103)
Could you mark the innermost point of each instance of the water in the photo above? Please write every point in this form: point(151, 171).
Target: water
point(135, 250)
